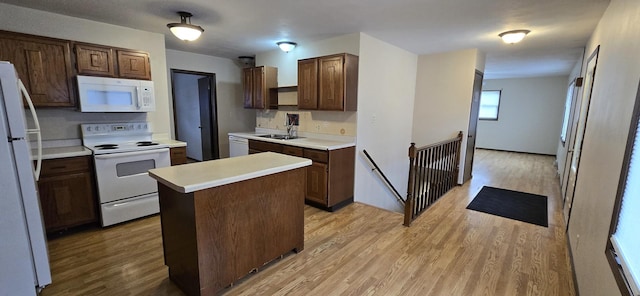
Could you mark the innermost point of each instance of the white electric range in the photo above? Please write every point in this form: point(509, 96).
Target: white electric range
point(123, 155)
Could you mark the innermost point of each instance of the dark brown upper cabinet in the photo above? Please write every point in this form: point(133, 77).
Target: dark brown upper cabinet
point(94, 60)
point(44, 66)
point(256, 84)
point(328, 83)
point(98, 60)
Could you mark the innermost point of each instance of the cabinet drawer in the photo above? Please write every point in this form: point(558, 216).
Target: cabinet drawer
point(264, 146)
point(178, 155)
point(316, 155)
point(290, 150)
point(65, 165)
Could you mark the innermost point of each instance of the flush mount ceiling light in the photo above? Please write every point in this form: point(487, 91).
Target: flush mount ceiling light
point(514, 36)
point(286, 46)
point(185, 30)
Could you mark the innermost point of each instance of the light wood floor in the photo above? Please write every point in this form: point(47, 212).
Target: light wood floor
point(360, 250)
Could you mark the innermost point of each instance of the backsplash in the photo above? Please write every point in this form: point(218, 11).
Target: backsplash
point(319, 122)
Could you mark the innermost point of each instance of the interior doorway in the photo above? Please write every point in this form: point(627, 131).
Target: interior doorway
point(195, 113)
point(473, 126)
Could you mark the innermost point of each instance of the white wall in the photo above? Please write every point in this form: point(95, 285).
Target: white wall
point(60, 123)
point(529, 118)
point(614, 92)
point(232, 117)
point(444, 89)
point(386, 92)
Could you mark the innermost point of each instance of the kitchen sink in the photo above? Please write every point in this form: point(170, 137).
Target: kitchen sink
point(279, 137)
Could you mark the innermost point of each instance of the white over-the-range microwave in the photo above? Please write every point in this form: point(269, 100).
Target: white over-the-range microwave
point(103, 94)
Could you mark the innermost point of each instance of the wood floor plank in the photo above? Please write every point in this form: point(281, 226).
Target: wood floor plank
point(360, 250)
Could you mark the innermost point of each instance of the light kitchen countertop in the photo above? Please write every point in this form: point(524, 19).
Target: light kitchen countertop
point(171, 143)
point(305, 141)
point(62, 152)
point(192, 177)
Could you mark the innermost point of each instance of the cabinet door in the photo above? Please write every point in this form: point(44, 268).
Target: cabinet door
point(317, 183)
point(134, 65)
point(308, 84)
point(178, 155)
point(67, 200)
point(247, 87)
point(43, 65)
point(259, 88)
point(94, 60)
point(331, 80)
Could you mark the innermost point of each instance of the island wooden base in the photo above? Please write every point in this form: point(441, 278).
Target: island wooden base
point(214, 237)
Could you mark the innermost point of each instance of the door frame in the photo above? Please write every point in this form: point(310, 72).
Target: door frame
point(588, 83)
point(215, 153)
point(467, 174)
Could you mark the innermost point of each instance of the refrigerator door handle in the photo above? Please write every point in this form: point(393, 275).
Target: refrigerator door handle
point(35, 131)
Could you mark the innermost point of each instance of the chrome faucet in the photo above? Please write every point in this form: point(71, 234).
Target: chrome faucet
point(292, 120)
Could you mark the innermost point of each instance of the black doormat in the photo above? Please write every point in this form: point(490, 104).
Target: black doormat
point(521, 206)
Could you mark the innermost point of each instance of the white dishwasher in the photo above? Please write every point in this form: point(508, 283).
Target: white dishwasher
point(238, 146)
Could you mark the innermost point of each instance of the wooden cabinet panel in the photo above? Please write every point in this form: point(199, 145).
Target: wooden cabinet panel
point(134, 65)
point(317, 182)
point(317, 155)
point(328, 83)
point(308, 84)
point(178, 155)
point(331, 80)
point(265, 146)
point(66, 200)
point(256, 85)
point(67, 192)
point(43, 65)
point(95, 60)
point(293, 151)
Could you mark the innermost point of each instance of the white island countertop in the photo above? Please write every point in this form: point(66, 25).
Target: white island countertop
point(192, 177)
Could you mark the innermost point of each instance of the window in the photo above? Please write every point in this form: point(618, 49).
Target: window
point(623, 247)
point(489, 104)
point(567, 112)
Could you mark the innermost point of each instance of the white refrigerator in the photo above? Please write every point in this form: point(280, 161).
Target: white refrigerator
point(24, 261)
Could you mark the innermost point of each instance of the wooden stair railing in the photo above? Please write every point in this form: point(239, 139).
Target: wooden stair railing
point(433, 171)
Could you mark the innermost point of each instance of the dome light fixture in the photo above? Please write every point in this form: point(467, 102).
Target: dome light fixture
point(184, 30)
point(513, 36)
point(286, 46)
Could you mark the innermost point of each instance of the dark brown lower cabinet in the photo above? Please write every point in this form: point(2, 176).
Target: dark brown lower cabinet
point(67, 193)
point(330, 178)
point(178, 155)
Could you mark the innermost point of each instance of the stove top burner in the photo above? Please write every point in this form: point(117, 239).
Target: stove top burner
point(146, 143)
point(107, 147)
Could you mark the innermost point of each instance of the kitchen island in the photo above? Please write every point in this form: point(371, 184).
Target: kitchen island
point(224, 218)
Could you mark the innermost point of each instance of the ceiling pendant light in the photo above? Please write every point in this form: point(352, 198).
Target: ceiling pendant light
point(185, 30)
point(286, 46)
point(513, 36)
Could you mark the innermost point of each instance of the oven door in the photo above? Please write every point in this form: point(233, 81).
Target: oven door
point(124, 175)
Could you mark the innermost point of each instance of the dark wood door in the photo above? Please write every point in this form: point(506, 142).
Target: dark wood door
point(95, 60)
point(247, 87)
point(308, 84)
point(259, 88)
point(67, 200)
point(134, 65)
point(473, 124)
point(317, 183)
point(43, 65)
point(331, 83)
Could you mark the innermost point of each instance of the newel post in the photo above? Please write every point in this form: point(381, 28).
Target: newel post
point(408, 206)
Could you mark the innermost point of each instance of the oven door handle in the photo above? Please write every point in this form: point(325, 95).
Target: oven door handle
point(133, 153)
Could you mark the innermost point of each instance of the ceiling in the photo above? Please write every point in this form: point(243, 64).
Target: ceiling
point(559, 28)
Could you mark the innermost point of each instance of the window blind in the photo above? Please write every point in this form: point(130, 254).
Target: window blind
point(626, 238)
